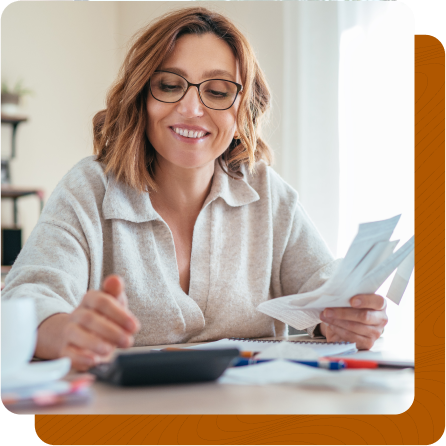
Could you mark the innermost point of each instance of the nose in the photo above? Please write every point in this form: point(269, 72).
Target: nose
point(191, 106)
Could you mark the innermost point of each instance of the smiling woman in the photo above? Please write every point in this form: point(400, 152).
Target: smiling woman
point(180, 206)
point(166, 51)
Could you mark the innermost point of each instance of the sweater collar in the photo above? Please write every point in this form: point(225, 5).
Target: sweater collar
point(125, 203)
point(235, 192)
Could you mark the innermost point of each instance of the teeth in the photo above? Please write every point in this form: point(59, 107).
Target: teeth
point(188, 134)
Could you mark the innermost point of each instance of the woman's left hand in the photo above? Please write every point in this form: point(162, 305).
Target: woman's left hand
point(362, 323)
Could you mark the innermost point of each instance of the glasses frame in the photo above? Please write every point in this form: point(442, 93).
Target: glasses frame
point(190, 84)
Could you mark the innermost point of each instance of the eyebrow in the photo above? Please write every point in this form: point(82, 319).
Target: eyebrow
point(206, 75)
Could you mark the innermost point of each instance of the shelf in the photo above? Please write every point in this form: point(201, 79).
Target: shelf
point(6, 269)
point(16, 119)
point(13, 120)
point(14, 192)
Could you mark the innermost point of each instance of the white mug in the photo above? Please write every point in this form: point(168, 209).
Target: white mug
point(19, 333)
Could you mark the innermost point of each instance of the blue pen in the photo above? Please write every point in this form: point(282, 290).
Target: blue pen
point(322, 363)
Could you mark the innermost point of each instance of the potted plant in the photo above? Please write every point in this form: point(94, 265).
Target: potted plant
point(11, 97)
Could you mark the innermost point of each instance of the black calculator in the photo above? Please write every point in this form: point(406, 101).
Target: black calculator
point(165, 367)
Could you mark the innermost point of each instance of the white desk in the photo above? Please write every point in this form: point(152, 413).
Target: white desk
point(215, 398)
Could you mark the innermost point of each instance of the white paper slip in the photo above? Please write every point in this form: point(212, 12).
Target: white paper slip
point(253, 345)
point(401, 279)
point(368, 235)
point(286, 372)
point(369, 261)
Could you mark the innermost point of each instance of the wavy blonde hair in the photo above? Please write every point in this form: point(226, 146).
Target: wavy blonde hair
point(119, 131)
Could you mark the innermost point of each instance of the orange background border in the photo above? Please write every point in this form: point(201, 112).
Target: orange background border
point(424, 422)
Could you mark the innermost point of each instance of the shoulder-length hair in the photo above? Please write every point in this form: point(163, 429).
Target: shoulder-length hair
point(119, 131)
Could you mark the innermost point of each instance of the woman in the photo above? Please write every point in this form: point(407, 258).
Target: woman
point(180, 206)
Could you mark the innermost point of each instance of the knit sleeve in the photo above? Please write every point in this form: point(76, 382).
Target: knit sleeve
point(54, 266)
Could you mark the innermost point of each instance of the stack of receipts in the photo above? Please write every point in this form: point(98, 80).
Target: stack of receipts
point(368, 263)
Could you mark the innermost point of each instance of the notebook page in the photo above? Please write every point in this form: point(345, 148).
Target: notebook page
point(321, 348)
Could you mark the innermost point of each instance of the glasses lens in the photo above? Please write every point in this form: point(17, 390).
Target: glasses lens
point(167, 87)
point(218, 94)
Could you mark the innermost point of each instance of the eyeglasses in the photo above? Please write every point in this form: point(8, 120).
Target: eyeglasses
point(216, 94)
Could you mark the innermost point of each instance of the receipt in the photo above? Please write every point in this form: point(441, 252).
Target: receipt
point(369, 261)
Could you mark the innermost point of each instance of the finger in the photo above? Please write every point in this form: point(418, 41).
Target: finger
point(364, 316)
point(81, 338)
point(114, 286)
point(371, 331)
point(331, 335)
point(112, 309)
point(81, 360)
point(102, 327)
point(372, 301)
point(362, 342)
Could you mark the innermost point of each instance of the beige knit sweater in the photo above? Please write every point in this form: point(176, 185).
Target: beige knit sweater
point(252, 241)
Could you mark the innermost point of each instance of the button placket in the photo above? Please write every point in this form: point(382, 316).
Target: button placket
point(200, 262)
point(215, 247)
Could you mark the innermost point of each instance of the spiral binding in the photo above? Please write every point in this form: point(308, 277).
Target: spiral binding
point(292, 342)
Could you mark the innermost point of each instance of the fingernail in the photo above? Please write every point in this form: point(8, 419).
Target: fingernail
point(90, 361)
point(356, 302)
point(328, 313)
point(125, 341)
point(136, 324)
point(104, 349)
point(130, 325)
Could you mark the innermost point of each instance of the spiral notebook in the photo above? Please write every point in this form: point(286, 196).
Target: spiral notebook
point(257, 345)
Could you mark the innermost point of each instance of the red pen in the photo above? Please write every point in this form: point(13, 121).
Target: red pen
point(356, 363)
point(351, 363)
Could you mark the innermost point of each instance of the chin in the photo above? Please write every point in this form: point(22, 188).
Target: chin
point(191, 160)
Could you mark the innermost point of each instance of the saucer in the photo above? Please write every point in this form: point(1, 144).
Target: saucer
point(36, 373)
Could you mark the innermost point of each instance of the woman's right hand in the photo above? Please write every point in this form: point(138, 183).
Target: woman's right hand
point(102, 322)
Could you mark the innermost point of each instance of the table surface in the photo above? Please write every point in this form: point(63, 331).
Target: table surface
point(216, 398)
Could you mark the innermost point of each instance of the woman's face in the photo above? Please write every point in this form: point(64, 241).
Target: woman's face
point(196, 58)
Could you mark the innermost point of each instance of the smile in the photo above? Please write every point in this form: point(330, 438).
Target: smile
point(193, 134)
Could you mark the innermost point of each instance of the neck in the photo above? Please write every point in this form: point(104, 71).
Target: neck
point(182, 191)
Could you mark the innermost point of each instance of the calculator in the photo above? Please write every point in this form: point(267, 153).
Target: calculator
point(165, 367)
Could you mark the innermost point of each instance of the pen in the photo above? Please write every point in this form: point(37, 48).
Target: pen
point(357, 363)
point(368, 364)
point(247, 358)
point(321, 363)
